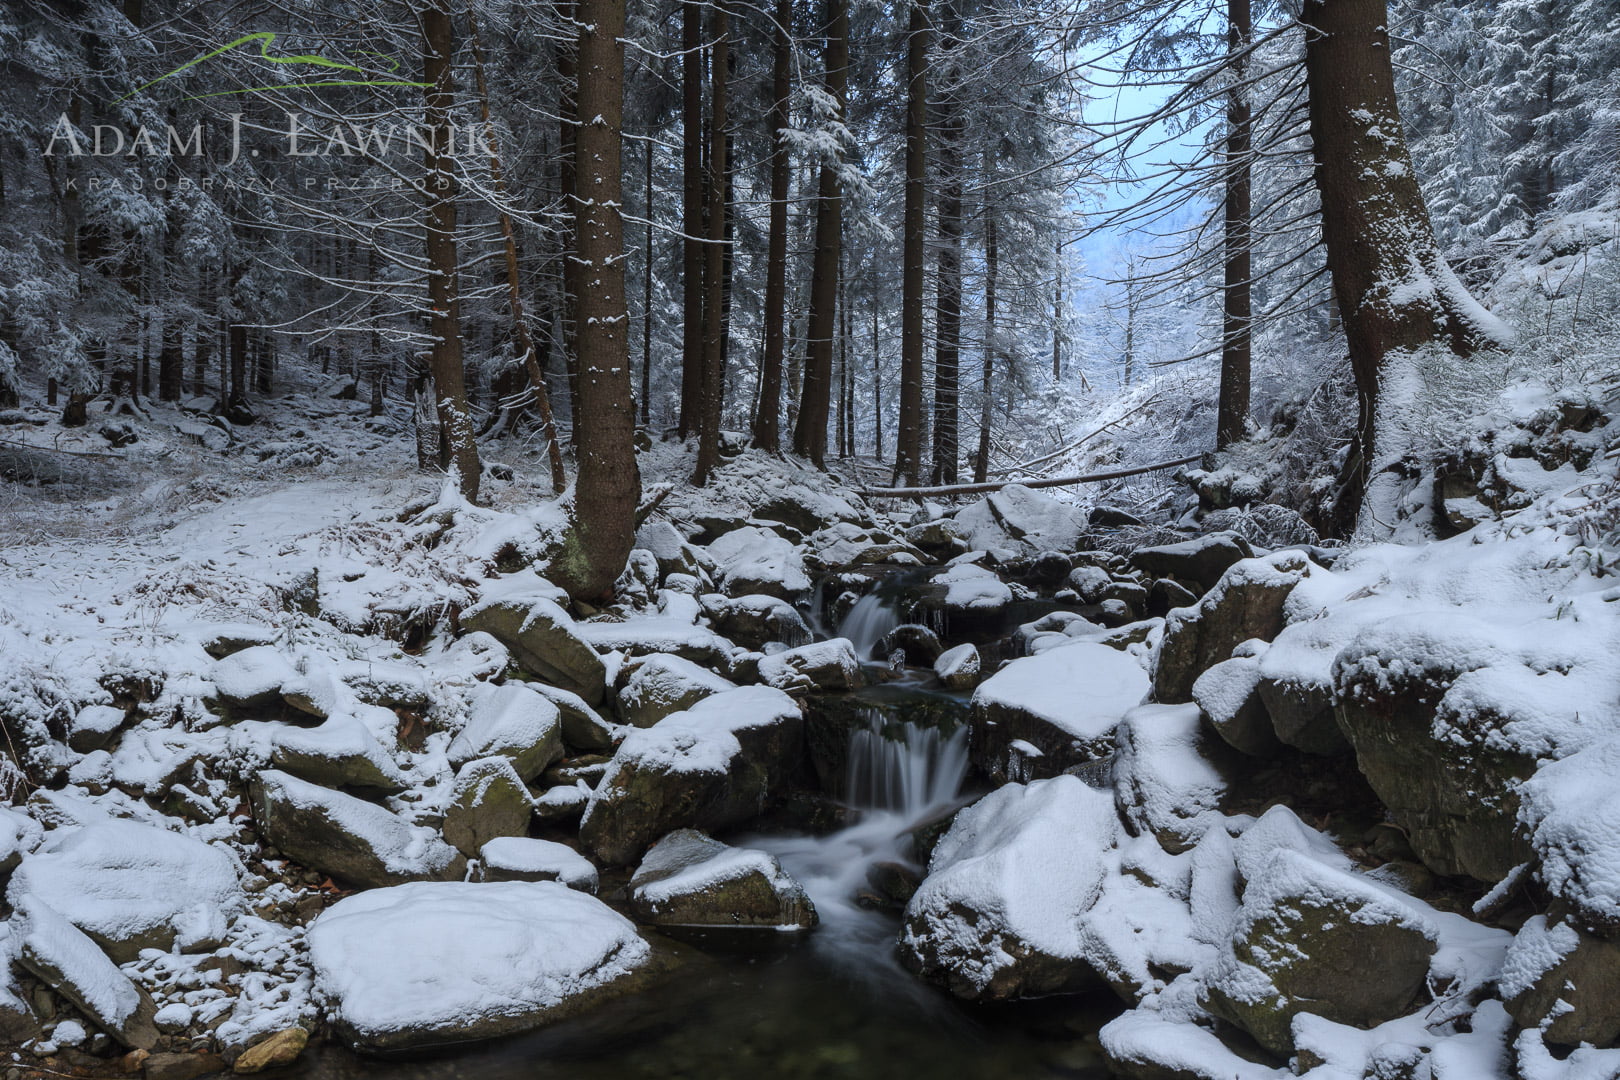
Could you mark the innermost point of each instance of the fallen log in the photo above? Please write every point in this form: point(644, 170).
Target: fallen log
point(1042, 482)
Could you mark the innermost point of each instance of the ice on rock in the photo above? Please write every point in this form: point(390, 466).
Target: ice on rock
point(131, 886)
point(430, 963)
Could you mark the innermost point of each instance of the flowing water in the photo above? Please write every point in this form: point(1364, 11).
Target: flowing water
point(836, 1003)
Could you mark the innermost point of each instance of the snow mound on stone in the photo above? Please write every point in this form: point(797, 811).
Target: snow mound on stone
point(1083, 688)
point(132, 886)
point(439, 962)
point(1019, 520)
point(1573, 818)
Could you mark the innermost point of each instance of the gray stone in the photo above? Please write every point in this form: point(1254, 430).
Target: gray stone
point(654, 686)
point(514, 722)
point(348, 838)
point(1197, 564)
point(583, 729)
point(543, 642)
point(66, 960)
point(1229, 695)
point(1246, 603)
point(690, 879)
point(1564, 981)
point(488, 800)
point(342, 752)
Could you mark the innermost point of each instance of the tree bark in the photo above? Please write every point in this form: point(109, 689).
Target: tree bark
point(714, 254)
point(908, 448)
point(768, 417)
point(609, 481)
point(948, 285)
point(460, 451)
point(810, 436)
point(567, 183)
point(992, 254)
point(1395, 293)
point(1232, 412)
point(691, 217)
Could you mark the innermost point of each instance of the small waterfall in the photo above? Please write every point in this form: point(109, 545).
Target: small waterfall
point(868, 622)
point(909, 776)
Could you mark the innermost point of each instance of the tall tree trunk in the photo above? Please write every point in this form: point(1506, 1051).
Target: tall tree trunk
point(647, 291)
point(609, 482)
point(948, 286)
point(567, 185)
point(908, 449)
point(1396, 295)
point(460, 451)
point(768, 417)
point(877, 384)
point(714, 255)
point(810, 435)
point(1232, 417)
point(992, 257)
point(1057, 313)
point(691, 217)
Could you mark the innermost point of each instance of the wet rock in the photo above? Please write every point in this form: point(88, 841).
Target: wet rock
point(1313, 938)
point(172, 1066)
point(515, 722)
point(895, 882)
point(1109, 517)
point(278, 1050)
point(920, 644)
point(1565, 982)
point(824, 665)
point(488, 800)
point(1165, 595)
point(1246, 603)
point(958, 668)
point(717, 764)
point(500, 958)
point(754, 621)
point(543, 642)
point(348, 838)
point(70, 963)
point(654, 686)
point(1041, 714)
point(1197, 564)
point(690, 879)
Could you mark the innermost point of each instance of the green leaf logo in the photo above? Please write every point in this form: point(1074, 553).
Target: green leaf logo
point(266, 39)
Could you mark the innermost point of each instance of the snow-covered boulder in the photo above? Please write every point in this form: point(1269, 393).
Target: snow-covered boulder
point(1564, 982)
point(1456, 797)
point(1246, 603)
point(709, 767)
point(95, 727)
point(487, 800)
point(755, 620)
point(19, 834)
point(1229, 694)
point(348, 838)
point(965, 589)
point(1315, 938)
point(431, 963)
point(520, 858)
point(845, 546)
point(753, 560)
point(543, 641)
point(1000, 914)
point(1019, 521)
point(512, 721)
point(657, 685)
point(958, 668)
point(583, 729)
point(1197, 564)
point(341, 752)
point(1572, 816)
point(131, 887)
point(1167, 783)
point(1042, 714)
point(690, 879)
point(66, 960)
point(1144, 1045)
point(823, 665)
point(252, 676)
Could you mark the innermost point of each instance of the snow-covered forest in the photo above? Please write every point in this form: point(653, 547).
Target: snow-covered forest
point(812, 538)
